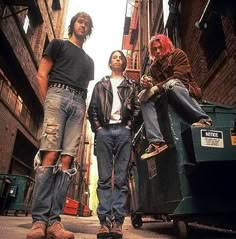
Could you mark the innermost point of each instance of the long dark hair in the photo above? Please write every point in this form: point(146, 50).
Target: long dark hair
point(73, 20)
point(124, 60)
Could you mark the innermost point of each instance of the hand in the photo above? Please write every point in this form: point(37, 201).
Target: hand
point(146, 81)
point(127, 127)
point(146, 94)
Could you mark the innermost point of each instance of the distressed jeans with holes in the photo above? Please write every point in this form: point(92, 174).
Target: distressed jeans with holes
point(178, 95)
point(64, 113)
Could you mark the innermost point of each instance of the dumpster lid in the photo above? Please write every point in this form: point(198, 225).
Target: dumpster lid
point(217, 107)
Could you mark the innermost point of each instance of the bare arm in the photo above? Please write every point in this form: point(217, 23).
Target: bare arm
point(45, 67)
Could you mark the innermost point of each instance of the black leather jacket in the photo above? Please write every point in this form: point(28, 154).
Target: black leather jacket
point(100, 106)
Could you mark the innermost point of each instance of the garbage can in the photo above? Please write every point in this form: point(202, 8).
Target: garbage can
point(193, 179)
point(5, 183)
point(20, 194)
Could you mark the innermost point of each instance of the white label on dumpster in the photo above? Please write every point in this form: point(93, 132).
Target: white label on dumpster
point(152, 168)
point(212, 138)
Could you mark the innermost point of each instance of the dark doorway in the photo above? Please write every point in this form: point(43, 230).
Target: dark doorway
point(23, 156)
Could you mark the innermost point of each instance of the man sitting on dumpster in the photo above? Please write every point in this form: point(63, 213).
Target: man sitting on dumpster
point(169, 73)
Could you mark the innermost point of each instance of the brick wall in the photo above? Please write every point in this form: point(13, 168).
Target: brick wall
point(8, 128)
point(14, 43)
point(219, 83)
point(8, 131)
point(22, 54)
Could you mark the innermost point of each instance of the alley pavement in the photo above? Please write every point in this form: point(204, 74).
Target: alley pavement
point(16, 227)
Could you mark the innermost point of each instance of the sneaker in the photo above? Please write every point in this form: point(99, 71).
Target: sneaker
point(116, 231)
point(203, 123)
point(37, 231)
point(103, 231)
point(153, 150)
point(57, 231)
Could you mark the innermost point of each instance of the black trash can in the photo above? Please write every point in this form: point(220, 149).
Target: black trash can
point(5, 183)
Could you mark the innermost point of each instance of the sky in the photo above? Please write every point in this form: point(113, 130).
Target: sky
point(108, 19)
point(166, 10)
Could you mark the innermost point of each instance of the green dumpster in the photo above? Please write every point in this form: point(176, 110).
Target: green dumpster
point(20, 194)
point(193, 179)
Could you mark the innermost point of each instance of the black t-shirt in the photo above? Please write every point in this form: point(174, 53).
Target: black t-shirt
point(71, 65)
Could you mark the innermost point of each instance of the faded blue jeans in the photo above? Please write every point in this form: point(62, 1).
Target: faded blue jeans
point(178, 95)
point(113, 148)
point(64, 113)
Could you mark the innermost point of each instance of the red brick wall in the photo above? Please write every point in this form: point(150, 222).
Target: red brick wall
point(219, 83)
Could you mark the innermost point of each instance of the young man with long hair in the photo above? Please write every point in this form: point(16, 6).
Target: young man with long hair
point(63, 77)
point(113, 113)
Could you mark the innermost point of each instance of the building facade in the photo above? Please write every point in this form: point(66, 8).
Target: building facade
point(26, 28)
point(205, 30)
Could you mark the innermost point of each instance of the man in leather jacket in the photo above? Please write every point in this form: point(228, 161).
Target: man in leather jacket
point(113, 113)
point(102, 100)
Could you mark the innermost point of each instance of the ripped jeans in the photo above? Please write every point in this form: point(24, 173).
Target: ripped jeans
point(64, 113)
point(178, 95)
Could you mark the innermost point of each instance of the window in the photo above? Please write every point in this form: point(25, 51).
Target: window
point(28, 28)
point(228, 8)
point(33, 18)
point(26, 24)
point(127, 25)
point(19, 104)
point(212, 39)
point(16, 104)
point(56, 5)
point(135, 62)
point(5, 91)
point(12, 99)
point(35, 15)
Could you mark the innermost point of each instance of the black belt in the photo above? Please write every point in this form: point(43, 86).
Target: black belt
point(78, 91)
